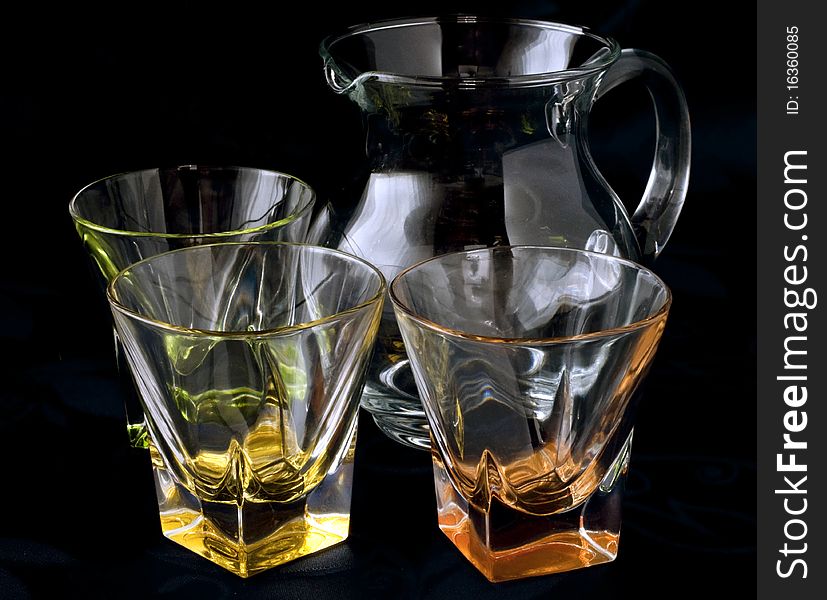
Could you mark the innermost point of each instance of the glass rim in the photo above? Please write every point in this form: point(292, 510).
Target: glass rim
point(116, 304)
point(77, 218)
point(658, 315)
point(528, 80)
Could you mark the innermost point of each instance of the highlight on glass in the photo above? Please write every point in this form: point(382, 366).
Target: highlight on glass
point(131, 216)
point(527, 360)
point(249, 360)
point(477, 135)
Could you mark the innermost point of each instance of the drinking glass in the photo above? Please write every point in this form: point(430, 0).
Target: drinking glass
point(249, 361)
point(527, 360)
point(127, 217)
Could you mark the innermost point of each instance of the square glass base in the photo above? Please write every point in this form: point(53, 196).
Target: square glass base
point(503, 543)
point(250, 537)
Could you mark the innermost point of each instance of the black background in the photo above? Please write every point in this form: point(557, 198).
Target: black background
point(87, 94)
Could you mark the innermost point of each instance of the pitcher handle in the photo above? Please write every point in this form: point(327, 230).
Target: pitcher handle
point(660, 207)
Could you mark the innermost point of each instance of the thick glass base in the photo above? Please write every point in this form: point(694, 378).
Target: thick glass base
point(401, 419)
point(249, 537)
point(503, 543)
point(138, 435)
point(398, 414)
point(136, 430)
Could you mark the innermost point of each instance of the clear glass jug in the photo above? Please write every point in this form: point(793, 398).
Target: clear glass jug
point(476, 136)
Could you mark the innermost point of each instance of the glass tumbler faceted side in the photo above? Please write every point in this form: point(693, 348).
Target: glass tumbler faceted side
point(476, 135)
point(527, 360)
point(127, 217)
point(249, 360)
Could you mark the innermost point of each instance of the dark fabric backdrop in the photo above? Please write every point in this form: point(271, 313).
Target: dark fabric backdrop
point(86, 94)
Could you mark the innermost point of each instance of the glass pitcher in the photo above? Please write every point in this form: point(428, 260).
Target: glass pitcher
point(476, 136)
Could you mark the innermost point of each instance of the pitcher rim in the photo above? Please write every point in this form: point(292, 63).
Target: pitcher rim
point(605, 60)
